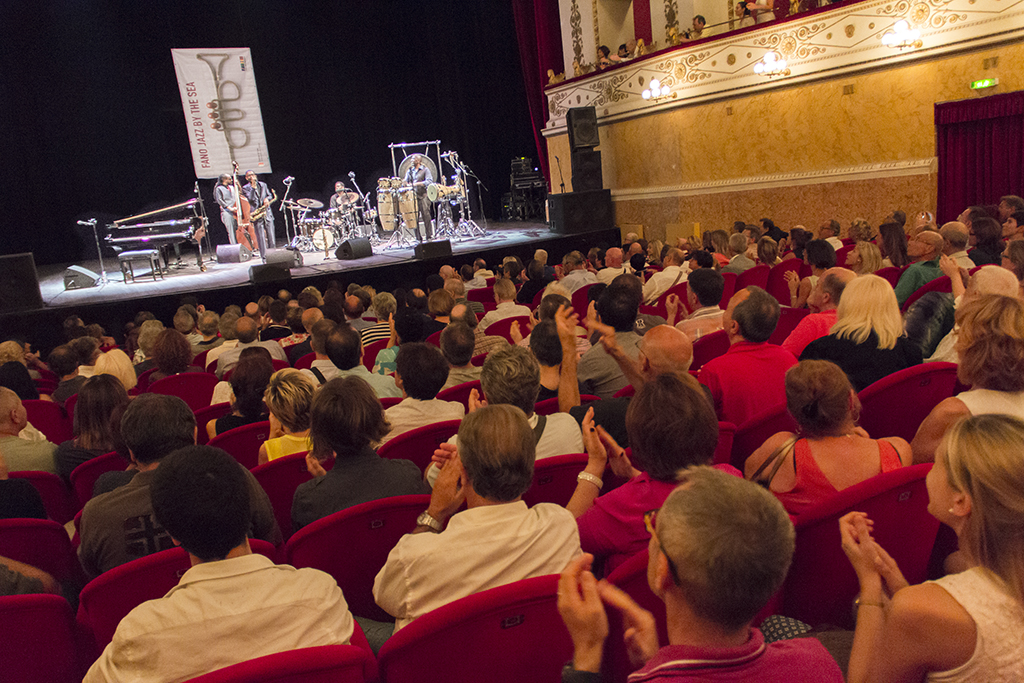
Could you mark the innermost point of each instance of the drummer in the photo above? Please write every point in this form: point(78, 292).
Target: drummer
point(342, 196)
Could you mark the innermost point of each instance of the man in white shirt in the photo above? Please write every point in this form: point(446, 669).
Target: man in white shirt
point(575, 272)
point(496, 541)
point(829, 231)
point(322, 369)
point(420, 373)
point(247, 330)
point(344, 358)
point(480, 275)
point(505, 297)
point(226, 327)
point(954, 236)
point(674, 272)
point(613, 266)
point(232, 605)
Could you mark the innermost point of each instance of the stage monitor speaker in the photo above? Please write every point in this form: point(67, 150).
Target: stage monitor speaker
point(351, 249)
point(582, 125)
point(576, 212)
point(586, 170)
point(19, 283)
point(233, 253)
point(429, 250)
point(77, 277)
point(285, 259)
point(269, 272)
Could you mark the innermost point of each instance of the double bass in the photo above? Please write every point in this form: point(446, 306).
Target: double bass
point(244, 232)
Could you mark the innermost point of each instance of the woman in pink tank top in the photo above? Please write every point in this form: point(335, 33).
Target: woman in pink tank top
point(830, 453)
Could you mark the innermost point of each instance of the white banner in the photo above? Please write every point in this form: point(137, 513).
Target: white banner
point(222, 110)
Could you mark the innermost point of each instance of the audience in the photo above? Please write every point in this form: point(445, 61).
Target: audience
point(248, 383)
point(823, 301)
point(750, 378)
point(172, 354)
point(892, 242)
point(954, 244)
point(575, 272)
point(612, 266)
point(673, 273)
point(233, 604)
point(865, 258)
point(830, 453)
point(964, 626)
point(346, 419)
point(421, 371)
point(116, 363)
point(820, 256)
point(119, 526)
point(505, 298)
point(322, 368)
point(598, 372)
point(457, 289)
point(496, 540)
point(990, 354)
point(344, 354)
point(303, 344)
point(21, 454)
point(288, 397)
point(63, 362)
point(457, 343)
point(483, 343)
point(410, 326)
point(867, 341)
point(739, 262)
point(924, 250)
point(985, 281)
point(227, 330)
point(246, 329)
point(719, 549)
point(986, 236)
point(703, 295)
point(97, 424)
point(14, 376)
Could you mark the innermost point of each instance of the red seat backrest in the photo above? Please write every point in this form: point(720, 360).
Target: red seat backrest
point(890, 273)
point(723, 451)
point(370, 352)
point(60, 504)
point(43, 544)
point(496, 629)
point(896, 405)
point(789, 318)
point(243, 443)
point(549, 406)
point(484, 295)
point(194, 388)
point(49, 418)
point(435, 338)
point(579, 301)
point(279, 478)
point(204, 415)
point(389, 401)
point(752, 434)
point(625, 392)
point(554, 479)
point(199, 360)
point(708, 347)
point(83, 477)
point(478, 360)
point(939, 284)
point(374, 528)
point(631, 577)
point(756, 277)
point(323, 664)
point(776, 285)
point(418, 445)
point(821, 583)
point(460, 392)
point(143, 381)
point(503, 327)
point(39, 640)
point(305, 362)
point(728, 289)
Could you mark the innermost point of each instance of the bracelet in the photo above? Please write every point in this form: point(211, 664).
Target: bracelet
point(587, 476)
point(864, 603)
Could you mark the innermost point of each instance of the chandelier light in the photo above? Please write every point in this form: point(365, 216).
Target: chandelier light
point(902, 36)
point(771, 65)
point(657, 91)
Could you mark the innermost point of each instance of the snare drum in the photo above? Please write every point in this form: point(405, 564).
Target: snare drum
point(386, 209)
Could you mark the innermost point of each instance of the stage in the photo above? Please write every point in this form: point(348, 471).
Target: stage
point(116, 302)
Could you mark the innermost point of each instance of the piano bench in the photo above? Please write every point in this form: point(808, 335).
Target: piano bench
point(127, 258)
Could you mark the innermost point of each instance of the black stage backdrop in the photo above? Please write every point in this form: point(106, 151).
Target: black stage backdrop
point(91, 121)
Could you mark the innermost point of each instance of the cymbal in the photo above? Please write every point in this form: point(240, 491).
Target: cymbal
point(348, 197)
point(310, 203)
point(291, 205)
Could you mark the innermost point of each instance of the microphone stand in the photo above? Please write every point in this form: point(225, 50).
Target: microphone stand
point(206, 229)
point(560, 178)
point(99, 252)
point(289, 229)
point(363, 198)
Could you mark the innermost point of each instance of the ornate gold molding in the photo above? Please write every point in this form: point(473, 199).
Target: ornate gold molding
point(829, 175)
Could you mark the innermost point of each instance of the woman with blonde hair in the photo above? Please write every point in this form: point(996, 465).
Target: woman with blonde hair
point(965, 626)
point(867, 341)
point(289, 397)
point(768, 252)
point(860, 231)
point(864, 259)
point(830, 453)
point(990, 350)
point(117, 363)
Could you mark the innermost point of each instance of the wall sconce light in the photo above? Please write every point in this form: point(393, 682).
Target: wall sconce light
point(902, 36)
point(657, 92)
point(771, 65)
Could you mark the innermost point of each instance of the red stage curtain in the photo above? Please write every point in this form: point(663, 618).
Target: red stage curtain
point(540, 49)
point(980, 145)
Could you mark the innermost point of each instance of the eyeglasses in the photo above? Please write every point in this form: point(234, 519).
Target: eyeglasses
point(650, 520)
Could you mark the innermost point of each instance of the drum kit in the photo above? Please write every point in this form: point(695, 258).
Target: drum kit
point(352, 216)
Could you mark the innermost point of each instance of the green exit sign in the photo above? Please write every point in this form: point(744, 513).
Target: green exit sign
point(984, 83)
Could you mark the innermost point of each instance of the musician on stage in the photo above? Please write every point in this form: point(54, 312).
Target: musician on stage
point(224, 193)
point(418, 176)
point(258, 194)
point(341, 196)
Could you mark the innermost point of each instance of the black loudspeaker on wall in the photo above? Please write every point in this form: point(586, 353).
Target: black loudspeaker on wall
point(77, 277)
point(575, 212)
point(586, 170)
point(429, 250)
point(582, 125)
point(19, 283)
point(233, 253)
point(352, 249)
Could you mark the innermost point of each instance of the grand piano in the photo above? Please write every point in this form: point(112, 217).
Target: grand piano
point(189, 226)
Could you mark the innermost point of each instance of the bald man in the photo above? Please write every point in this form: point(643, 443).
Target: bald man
point(310, 317)
point(925, 249)
point(613, 266)
point(663, 350)
point(248, 332)
point(823, 301)
point(954, 237)
point(21, 454)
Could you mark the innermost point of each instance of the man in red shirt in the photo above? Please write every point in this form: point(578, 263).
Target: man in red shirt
point(750, 377)
point(823, 301)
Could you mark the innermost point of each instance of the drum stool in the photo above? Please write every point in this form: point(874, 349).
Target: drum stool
point(126, 258)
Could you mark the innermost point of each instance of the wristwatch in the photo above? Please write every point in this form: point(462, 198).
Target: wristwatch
point(426, 520)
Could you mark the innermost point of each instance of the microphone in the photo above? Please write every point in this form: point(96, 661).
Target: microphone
point(446, 155)
point(351, 174)
point(289, 179)
point(557, 159)
point(197, 187)
point(90, 222)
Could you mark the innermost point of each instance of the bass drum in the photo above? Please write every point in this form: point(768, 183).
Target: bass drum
point(386, 210)
point(407, 206)
point(324, 239)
